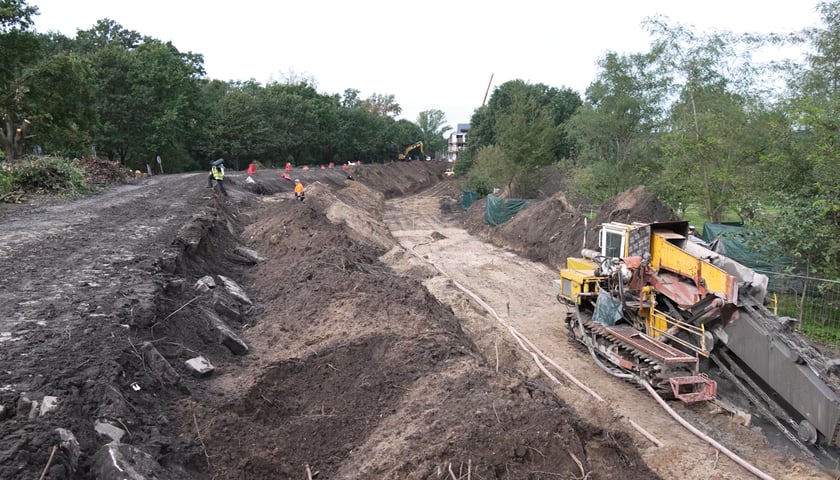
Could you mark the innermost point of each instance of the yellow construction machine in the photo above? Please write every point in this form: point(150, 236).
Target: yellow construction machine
point(404, 154)
point(652, 306)
point(626, 298)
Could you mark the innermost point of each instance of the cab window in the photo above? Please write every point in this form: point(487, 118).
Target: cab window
point(612, 246)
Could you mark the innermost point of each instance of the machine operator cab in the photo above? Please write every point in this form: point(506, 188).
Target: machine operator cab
point(619, 240)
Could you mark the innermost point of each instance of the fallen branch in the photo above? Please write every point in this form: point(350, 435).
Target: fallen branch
point(497, 355)
point(13, 197)
point(497, 413)
point(137, 354)
point(49, 462)
point(646, 434)
point(179, 309)
point(583, 474)
point(201, 440)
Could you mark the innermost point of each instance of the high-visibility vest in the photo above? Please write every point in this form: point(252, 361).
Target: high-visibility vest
point(218, 174)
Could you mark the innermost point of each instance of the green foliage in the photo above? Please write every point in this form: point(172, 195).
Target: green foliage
point(615, 129)
point(7, 179)
point(491, 169)
point(807, 230)
point(432, 123)
point(818, 312)
point(147, 96)
point(829, 334)
point(381, 105)
point(49, 174)
point(516, 105)
point(524, 124)
point(401, 134)
point(16, 16)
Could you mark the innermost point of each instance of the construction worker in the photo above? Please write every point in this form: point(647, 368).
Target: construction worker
point(298, 190)
point(217, 173)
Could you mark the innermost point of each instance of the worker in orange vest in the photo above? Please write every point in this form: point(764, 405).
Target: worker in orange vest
point(298, 190)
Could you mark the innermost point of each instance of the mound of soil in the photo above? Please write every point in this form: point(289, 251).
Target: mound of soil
point(552, 230)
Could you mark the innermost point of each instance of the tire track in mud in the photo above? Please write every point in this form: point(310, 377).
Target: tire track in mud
point(522, 293)
point(101, 243)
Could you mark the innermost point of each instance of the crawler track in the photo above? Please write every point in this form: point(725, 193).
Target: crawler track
point(632, 357)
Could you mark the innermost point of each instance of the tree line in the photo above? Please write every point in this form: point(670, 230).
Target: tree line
point(699, 120)
point(115, 93)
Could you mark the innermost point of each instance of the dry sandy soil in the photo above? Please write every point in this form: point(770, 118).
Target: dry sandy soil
point(374, 331)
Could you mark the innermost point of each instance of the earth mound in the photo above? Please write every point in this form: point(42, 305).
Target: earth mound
point(551, 230)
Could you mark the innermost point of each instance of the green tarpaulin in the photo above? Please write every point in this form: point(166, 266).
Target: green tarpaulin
point(740, 244)
point(467, 199)
point(500, 210)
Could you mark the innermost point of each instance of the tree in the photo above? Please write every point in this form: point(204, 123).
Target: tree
point(713, 135)
point(382, 105)
point(45, 90)
point(146, 96)
point(303, 122)
point(20, 51)
point(802, 171)
point(432, 123)
point(240, 126)
point(490, 164)
point(708, 149)
point(525, 122)
point(615, 129)
point(399, 135)
point(107, 33)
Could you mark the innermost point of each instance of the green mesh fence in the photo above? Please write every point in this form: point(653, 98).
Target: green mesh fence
point(500, 210)
point(467, 199)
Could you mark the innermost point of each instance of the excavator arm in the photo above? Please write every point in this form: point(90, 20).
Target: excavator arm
point(404, 155)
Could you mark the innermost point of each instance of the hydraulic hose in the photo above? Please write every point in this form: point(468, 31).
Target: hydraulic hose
point(740, 461)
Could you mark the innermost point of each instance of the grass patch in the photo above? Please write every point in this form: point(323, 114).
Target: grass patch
point(819, 315)
point(694, 215)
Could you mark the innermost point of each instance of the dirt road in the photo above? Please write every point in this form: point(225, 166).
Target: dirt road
point(522, 294)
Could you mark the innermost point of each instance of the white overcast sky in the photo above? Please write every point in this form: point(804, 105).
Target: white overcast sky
point(431, 54)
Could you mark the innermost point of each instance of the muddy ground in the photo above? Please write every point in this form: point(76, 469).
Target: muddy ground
point(363, 333)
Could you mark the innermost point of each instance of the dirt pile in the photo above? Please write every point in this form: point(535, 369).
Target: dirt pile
point(103, 172)
point(552, 230)
point(397, 178)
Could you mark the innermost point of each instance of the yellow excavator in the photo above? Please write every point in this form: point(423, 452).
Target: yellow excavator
point(653, 306)
point(404, 155)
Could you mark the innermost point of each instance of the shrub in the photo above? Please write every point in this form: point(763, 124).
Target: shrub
point(7, 180)
point(50, 174)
